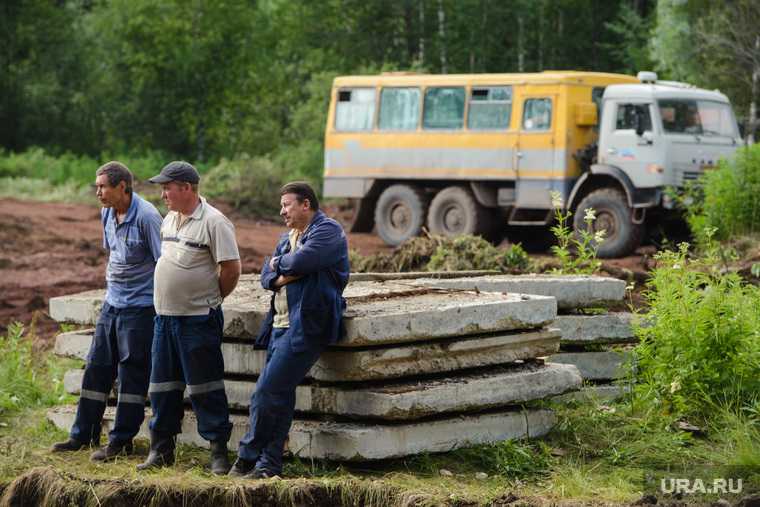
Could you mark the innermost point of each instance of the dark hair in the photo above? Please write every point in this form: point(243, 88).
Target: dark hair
point(302, 191)
point(116, 172)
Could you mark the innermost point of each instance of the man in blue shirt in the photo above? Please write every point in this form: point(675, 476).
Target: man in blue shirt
point(121, 347)
point(307, 275)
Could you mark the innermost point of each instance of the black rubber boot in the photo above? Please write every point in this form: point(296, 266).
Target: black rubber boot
point(242, 467)
point(111, 451)
point(70, 445)
point(161, 452)
point(220, 463)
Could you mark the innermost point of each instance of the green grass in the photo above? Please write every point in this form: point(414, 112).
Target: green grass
point(32, 189)
point(28, 379)
point(597, 453)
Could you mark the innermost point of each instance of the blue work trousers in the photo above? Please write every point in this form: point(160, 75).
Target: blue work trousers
point(273, 402)
point(120, 349)
point(187, 352)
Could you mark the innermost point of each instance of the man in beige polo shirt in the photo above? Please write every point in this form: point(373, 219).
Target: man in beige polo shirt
point(199, 266)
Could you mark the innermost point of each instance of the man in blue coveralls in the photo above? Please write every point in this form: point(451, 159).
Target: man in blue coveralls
point(307, 274)
point(198, 268)
point(124, 332)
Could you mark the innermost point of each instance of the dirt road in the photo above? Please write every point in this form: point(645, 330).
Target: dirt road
point(51, 249)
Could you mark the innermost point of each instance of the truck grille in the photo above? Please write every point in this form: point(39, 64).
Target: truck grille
point(683, 177)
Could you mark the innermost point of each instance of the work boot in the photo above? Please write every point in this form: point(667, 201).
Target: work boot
point(242, 467)
point(161, 452)
point(111, 451)
point(220, 463)
point(72, 444)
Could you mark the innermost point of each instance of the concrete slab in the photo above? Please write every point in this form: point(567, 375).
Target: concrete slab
point(605, 365)
point(343, 365)
point(571, 291)
point(440, 314)
point(378, 312)
point(433, 357)
point(75, 344)
point(408, 275)
point(80, 308)
point(413, 399)
point(357, 442)
point(607, 328)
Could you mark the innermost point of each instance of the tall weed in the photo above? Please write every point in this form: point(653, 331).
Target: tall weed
point(575, 250)
point(703, 345)
point(728, 198)
point(25, 379)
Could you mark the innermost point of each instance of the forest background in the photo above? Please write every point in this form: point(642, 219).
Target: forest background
point(209, 81)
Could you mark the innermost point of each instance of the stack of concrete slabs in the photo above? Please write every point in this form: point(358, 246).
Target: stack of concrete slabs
point(416, 362)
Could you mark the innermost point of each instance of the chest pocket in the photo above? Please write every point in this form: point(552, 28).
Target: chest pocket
point(131, 247)
point(190, 255)
point(134, 250)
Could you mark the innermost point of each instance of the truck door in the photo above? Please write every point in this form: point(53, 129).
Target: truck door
point(535, 157)
point(620, 146)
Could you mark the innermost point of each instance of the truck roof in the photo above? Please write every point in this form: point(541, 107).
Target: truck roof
point(545, 77)
point(662, 90)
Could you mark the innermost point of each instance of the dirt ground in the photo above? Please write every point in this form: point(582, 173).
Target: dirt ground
point(52, 249)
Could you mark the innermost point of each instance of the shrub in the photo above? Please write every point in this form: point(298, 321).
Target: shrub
point(252, 185)
point(728, 198)
point(703, 347)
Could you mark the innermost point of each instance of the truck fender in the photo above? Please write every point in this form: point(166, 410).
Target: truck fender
point(603, 170)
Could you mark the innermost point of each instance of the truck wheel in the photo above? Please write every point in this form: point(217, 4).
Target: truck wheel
point(400, 213)
point(614, 216)
point(454, 211)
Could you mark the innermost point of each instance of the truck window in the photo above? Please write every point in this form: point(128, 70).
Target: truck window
point(355, 109)
point(490, 108)
point(399, 108)
point(537, 114)
point(444, 108)
point(703, 117)
point(626, 116)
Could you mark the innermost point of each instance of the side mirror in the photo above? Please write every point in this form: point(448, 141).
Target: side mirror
point(639, 122)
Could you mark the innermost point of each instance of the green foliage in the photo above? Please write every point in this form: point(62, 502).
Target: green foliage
point(42, 190)
point(464, 253)
point(431, 252)
point(78, 170)
point(704, 342)
point(412, 255)
point(633, 29)
point(25, 381)
point(575, 250)
point(509, 458)
point(727, 200)
point(247, 183)
point(195, 80)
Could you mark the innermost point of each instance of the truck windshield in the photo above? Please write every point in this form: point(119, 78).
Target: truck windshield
point(698, 117)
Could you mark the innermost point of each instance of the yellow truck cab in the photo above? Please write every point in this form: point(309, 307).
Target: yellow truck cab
point(458, 153)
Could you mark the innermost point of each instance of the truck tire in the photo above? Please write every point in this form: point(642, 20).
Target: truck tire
point(400, 213)
point(614, 216)
point(455, 211)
